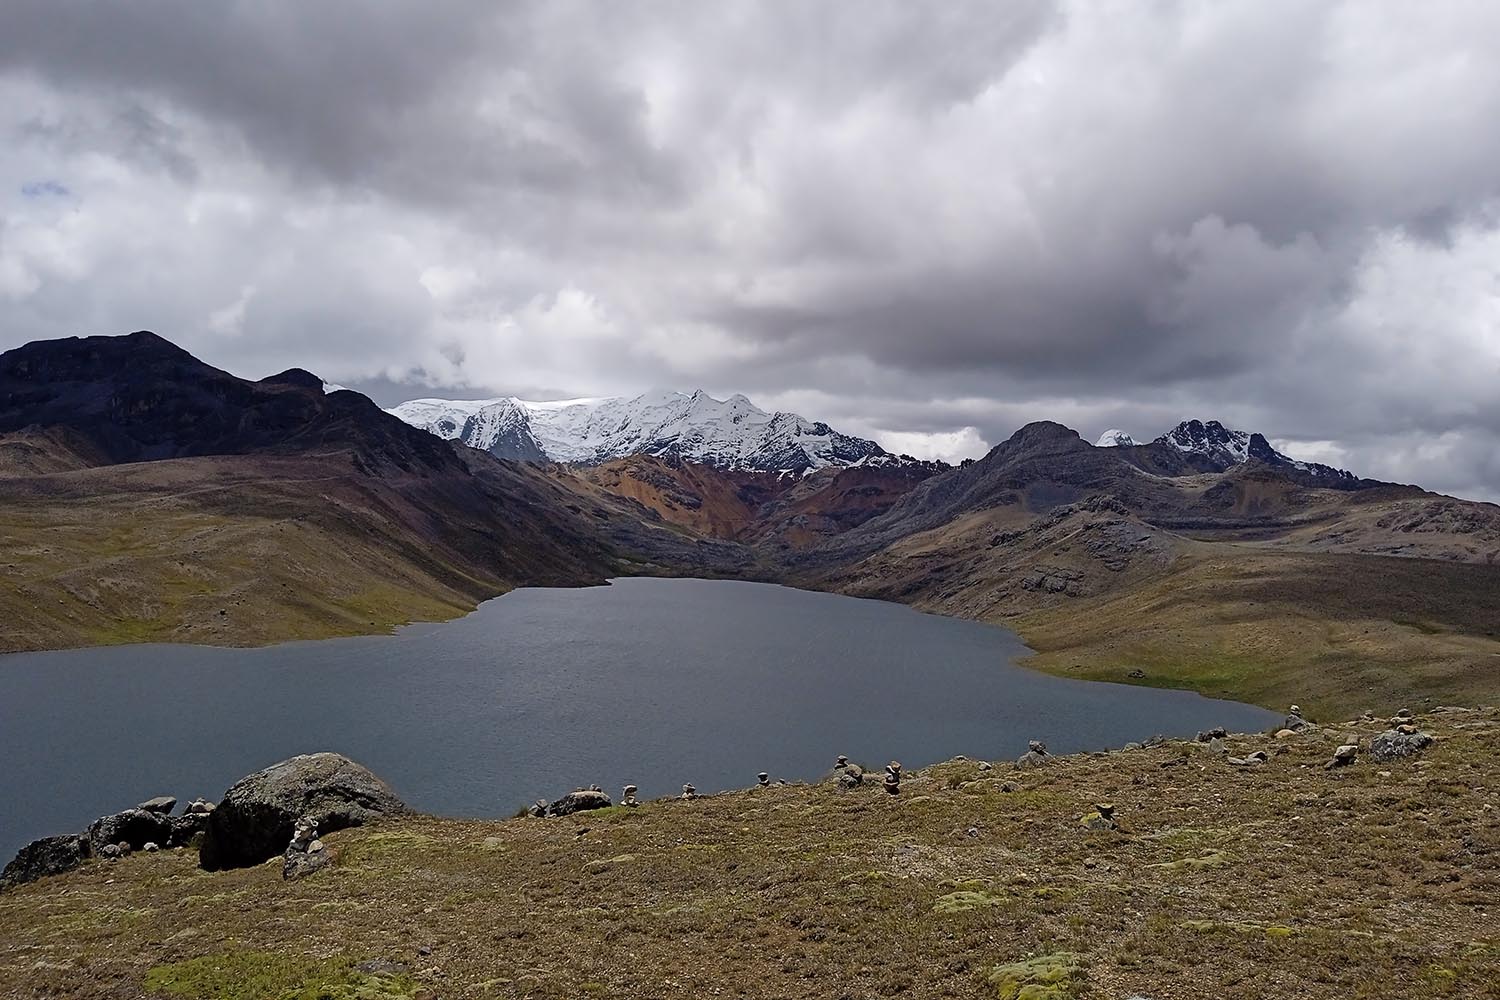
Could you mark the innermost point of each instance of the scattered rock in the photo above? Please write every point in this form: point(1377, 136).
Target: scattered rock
point(1250, 760)
point(1136, 674)
point(198, 807)
point(133, 828)
point(150, 847)
point(1009, 786)
point(48, 856)
point(160, 804)
point(580, 800)
point(985, 765)
point(1131, 746)
point(109, 851)
point(1403, 713)
point(258, 814)
point(852, 777)
point(1216, 745)
point(1343, 756)
point(1284, 734)
point(1216, 733)
point(1394, 744)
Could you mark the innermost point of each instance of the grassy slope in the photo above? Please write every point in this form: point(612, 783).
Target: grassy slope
point(1336, 634)
point(155, 552)
point(1286, 881)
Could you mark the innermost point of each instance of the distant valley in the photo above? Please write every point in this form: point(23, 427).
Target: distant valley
point(148, 496)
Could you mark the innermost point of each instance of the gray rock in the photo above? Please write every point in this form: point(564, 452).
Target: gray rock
point(109, 851)
point(198, 807)
point(186, 827)
point(985, 765)
point(1394, 744)
point(133, 828)
point(1343, 756)
point(150, 847)
point(160, 804)
point(1216, 733)
point(256, 817)
point(48, 856)
point(297, 864)
point(1032, 759)
point(580, 801)
point(851, 777)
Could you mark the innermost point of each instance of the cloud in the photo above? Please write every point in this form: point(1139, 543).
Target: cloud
point(931, 224)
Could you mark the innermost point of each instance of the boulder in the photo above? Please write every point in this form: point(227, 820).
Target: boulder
point(257, 815)
point(186, 827)
point(133, 827)
point(48, 856)
point(579, 801)
point(851, 777)
point(160, 804)
point(1393, 744)
point(198, 807)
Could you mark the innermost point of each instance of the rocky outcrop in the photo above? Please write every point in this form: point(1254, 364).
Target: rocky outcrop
point(258, 814)
point(136, 827)
point(1393, 744)
point(48, 856)
point(581, 800)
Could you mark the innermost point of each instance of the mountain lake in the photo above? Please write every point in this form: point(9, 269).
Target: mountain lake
point(654, 682)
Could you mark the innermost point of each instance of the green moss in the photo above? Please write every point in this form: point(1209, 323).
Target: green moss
point(1212, 859)
point(264, 975)
point(1045, 977)
point(965, 900)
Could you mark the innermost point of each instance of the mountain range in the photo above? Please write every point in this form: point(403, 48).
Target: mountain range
point(149, 496)
point(730, 433)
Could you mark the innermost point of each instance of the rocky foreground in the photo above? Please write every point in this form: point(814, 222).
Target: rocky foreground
point(1355, 860)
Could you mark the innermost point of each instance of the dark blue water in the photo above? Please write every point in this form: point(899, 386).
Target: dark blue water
point(656, 682)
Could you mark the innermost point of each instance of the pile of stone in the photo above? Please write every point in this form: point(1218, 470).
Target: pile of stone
point(1036, 755)
point(627, 796)
point(306, 853)
point(892, 780)
point(850, 775)
point(689, 791)
point(149, 827)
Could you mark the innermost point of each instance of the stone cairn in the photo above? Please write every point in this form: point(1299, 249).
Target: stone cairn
point(627, 796)
point(689, 792)
point(1036, 755)
point(892, 780)
point(763, 779)
point(850, 775)
point(306, 853)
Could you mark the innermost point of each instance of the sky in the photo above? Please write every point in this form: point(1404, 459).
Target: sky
point(923, 223)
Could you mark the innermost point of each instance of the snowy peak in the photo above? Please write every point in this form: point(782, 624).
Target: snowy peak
point(1114, 438)
point(731, 433)
point(1225, 448)
point(1212, 440)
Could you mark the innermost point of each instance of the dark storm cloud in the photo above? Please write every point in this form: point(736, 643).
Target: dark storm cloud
point(927, 224)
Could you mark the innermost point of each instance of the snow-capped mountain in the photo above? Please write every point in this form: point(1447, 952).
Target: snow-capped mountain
point(1114, 438)
point(1224, 448)
point(1212, 440)
point(731, 433)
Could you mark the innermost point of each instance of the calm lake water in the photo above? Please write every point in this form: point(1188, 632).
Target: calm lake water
point(656, 682)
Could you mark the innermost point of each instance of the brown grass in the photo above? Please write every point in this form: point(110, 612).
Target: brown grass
point(1279, 882)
